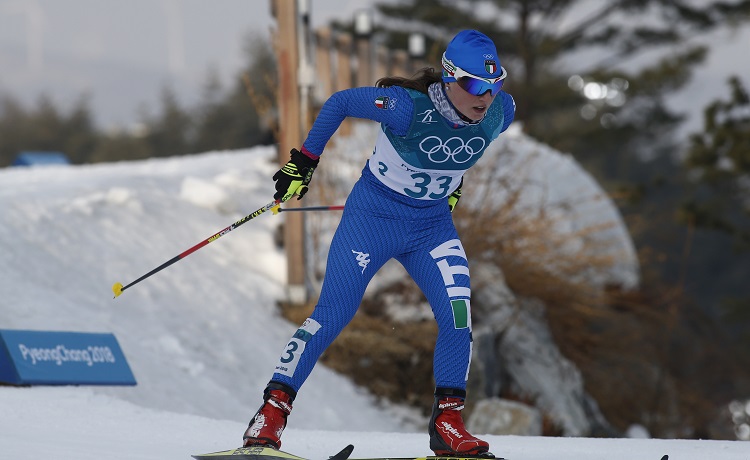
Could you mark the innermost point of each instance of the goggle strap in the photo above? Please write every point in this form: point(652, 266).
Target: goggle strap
point(452, 69)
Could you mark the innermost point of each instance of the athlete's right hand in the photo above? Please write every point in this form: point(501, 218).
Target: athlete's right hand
point(294, 177)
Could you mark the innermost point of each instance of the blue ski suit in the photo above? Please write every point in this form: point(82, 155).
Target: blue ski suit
point(398, 209)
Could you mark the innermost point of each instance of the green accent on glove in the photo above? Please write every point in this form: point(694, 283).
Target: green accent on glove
point(453, 199)
point(294, 177)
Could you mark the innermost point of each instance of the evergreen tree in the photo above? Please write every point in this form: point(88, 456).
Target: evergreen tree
point(237, 120)
point(242, 117)
point(719, 162)
point(80, 134)
point(46, 128)
point(169, 134)
point(721, 157)
point(12, 121)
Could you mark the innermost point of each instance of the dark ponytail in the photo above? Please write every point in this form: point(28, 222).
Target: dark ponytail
point(420, 81)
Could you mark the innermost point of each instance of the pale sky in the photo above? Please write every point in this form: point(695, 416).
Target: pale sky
point(122, 53)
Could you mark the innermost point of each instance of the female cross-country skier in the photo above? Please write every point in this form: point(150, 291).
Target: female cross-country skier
point(434, 128)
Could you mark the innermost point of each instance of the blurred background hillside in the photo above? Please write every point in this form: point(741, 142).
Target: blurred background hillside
point(649, 97)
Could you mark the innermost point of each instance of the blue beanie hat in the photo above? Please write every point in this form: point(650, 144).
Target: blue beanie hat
point(473, 52)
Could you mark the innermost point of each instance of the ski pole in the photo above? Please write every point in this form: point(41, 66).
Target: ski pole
point(309, 208)
point(117, 288)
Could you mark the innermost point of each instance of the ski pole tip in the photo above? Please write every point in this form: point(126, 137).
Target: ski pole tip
point(276, 209)
point(117, 289)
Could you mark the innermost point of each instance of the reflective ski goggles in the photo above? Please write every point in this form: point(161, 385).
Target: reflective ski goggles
point(471, 83)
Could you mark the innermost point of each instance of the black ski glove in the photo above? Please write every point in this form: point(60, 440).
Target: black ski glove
point(293, 178)
point(455, 196)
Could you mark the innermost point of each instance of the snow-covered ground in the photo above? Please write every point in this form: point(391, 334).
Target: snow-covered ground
point(80, 424)
point(203, 335)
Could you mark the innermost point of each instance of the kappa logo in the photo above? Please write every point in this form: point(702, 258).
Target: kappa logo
point(427, 116)
point(362, 259)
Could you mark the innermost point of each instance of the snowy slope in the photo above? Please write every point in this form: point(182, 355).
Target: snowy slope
point(202, 336)
point(206, 325)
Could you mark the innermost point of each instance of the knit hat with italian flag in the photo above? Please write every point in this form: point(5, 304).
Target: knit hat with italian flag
point(474, 52)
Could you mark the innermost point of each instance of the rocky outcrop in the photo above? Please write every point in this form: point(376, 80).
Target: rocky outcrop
point(515, 351)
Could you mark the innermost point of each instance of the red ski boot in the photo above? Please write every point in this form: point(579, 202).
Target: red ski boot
point(269, 422)
point(448, 436)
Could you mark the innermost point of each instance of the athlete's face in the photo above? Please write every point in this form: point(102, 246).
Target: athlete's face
point(473, 107)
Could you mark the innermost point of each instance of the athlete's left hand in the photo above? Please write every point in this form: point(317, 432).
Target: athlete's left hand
point(455, 196)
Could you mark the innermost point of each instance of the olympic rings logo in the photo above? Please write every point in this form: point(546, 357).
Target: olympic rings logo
point(454, 148)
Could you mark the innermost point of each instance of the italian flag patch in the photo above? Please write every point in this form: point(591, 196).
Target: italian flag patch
point(382, 102)
point(461, 312)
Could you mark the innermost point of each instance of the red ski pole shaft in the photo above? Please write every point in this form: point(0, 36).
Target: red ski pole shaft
point(117, 288)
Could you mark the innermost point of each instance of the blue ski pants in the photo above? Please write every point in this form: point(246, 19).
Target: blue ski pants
point(379, 224)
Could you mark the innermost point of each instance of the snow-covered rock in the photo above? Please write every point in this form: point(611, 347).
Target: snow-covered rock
point(504, 417)
point(514, 347)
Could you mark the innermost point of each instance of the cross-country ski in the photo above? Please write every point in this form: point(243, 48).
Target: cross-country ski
point(265, 453)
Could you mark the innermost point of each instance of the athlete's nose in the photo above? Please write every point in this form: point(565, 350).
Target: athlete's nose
point(486, 97)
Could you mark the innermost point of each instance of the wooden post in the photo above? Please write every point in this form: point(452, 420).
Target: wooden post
point(400, 64)
point(381, 62)
point(290, 121)
point(344, 73)
point(364, 62)
point(323, 64)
